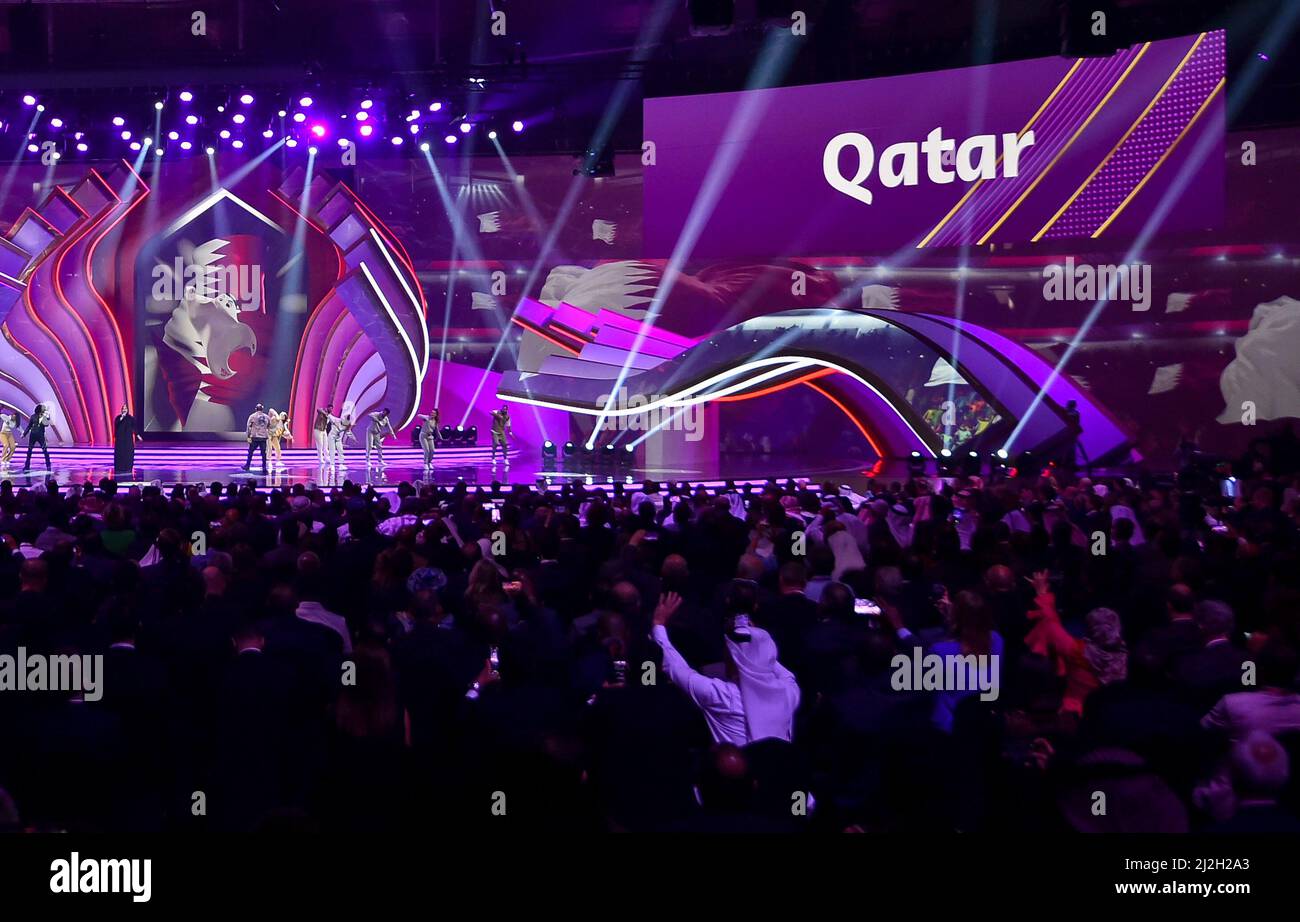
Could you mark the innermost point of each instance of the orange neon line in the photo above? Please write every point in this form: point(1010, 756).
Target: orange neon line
point(550, 339)
point(59, 294)
point(845, 410)
point(90, 253)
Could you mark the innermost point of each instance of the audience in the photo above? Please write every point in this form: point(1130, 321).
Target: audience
point(670, 658)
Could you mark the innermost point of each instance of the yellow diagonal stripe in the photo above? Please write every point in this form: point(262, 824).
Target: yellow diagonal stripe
point(1131, 128)
point(979, 182)
point(1163, 157)
point(1074, 137)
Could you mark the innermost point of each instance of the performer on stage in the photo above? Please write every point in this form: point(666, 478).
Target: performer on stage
point(8, 444)
point(258, 428)
point(320, 431)
point(124, 439)
point(429, 436)
point(340, 431)
point(500, 430)
point(279, 431)
point(35, 433)
point(379, 423)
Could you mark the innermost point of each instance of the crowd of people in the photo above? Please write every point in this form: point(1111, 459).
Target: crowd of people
point(664, 657)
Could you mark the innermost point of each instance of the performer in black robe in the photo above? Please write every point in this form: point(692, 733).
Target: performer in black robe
point(124, 436)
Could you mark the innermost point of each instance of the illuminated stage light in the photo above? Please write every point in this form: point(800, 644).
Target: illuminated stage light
point(299, 117)
point(290, 142)
point(147, 141)
point(246, 99)
point(414, 114)
point(83, 147)
point(238, 118)
point(191, 119)
point(367, 131)
point(425, 147)
point(211, 151)
point(415, 129)
point(40, 107)
point(221, 108)
point(366, 103)
point(305, 102)
point(570, 449)
point(465, 127)
point(118, 121)
point(186, 96)
point(518, 126)
point(268, 134)
point(312, 150)
point(492, 135)
point(29, 100)
point(397, 141)
point(362, 116)
point(237, 145)
point(281, 113)
point(1002, 453)
point(174, 135)
point(186, 145)
point(435, 107)
point(318, 130)
point(157, 152)
point(158, 105)
point(945, 453)
point(450, 139)
point(32, 148)
point(135, 145)
point(56, 123)
point(225, 134)
point(548, 449)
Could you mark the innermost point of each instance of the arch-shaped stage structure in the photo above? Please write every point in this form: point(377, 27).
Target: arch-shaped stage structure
point(913, 382)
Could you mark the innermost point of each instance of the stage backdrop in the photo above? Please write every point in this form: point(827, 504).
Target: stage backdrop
point(1025, 150)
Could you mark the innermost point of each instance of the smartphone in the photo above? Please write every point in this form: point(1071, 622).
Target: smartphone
point(496, 514)
point(512, 586)
point(494, 660)
point(866, 608)
point(1228, 488)
point(620, 671)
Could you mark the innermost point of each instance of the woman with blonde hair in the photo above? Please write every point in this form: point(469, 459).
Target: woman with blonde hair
point(279, 430)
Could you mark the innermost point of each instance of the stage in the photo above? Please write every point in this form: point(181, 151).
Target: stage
point(195, 462)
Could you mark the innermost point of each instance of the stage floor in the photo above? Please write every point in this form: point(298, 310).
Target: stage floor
point(203, 463)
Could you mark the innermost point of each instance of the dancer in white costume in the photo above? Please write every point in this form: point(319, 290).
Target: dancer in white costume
point(379, 424)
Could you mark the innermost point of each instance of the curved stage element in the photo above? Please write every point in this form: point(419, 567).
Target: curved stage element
point(890, 370)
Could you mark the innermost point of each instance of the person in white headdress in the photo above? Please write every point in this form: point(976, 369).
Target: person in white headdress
point(758, 698)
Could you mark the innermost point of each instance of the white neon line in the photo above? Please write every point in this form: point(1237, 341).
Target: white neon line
point(759, 363)
point(415, 302)
point(410, 348)
point(212, 200)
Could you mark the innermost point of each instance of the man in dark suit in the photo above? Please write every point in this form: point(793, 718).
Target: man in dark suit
point(790, 614)
point(1214, 669)
point(1180, 635)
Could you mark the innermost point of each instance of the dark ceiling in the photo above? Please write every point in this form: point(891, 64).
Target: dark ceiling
point(569, 58)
